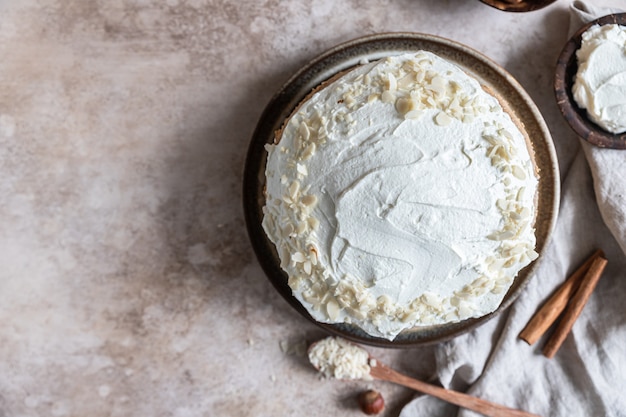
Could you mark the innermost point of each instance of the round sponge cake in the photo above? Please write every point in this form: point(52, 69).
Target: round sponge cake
point(400, 194)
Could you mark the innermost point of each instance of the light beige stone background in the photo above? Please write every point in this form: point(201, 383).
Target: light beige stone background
point(127, 282)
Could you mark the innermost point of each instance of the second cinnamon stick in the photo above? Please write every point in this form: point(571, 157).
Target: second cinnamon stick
point(575, 306)
point(555, 305)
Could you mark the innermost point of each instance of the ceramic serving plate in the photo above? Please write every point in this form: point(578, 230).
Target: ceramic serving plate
point(566, 69)
point(346, 56)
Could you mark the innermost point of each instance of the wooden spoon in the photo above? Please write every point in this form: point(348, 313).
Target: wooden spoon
point(341, 352)
point(383, 372)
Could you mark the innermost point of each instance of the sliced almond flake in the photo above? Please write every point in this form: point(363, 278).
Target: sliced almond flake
point(313, 256)
point(522, 226)
point(311, 298)
point(468, 118)
point(388, 97)
point(492, 141)
point(332, 309)
point(506, 134)
point(294, 282)
point(404, 105)
point(438, 85)
point(525, 212)
point(288, 230)
point(465, 310)
point(409, 66)
point(413, 114)
point(358, 313)
point(298, 257)
point(501, 235)
point(510, 262)
point(503, 153)
point(482, 290)
point(532, 255)
point(326, 297)
point(301, 228)
point(518, 172)
point(480, 282)
point(372, 98)
point(309, 200)
point(419, 76)
point(455, 301)
point(496, 161)
point(498, 289)
point(493, 151)
point(313, 223)
point(409, 317)
point(455, 105)
point(301, 168)
point(442, 119)
point(342, 299)
point(504, 280)
point(318, 288)
point(451, 316)
point(307, 267)
point(427, 318)
point(294, 188)
point(392, 83)
point(431, 299)
point(406, 82)
point(304, 131)
point(308, 151)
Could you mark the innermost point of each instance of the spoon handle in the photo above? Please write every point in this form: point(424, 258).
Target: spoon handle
point(487, 408)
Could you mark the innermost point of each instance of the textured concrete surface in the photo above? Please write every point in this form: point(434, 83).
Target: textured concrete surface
point(127, 282)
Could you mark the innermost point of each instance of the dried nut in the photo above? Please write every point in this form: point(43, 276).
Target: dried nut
point(371, 402)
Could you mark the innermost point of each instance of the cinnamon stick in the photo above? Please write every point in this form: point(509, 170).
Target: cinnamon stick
point(554, 306)
point(575, 306)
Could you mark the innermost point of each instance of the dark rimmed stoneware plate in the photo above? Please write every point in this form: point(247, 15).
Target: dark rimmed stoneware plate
point(370, 48)
point(518, 6)
point(566, 69)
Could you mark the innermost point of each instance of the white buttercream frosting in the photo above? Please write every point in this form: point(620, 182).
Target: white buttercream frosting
point(600, 83)
point(400, 195)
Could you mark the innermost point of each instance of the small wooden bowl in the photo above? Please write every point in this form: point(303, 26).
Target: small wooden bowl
point(518, 6)
point(566, 68)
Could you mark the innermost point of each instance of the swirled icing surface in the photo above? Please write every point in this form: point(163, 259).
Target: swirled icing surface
point(600, 82)
point(400, 195)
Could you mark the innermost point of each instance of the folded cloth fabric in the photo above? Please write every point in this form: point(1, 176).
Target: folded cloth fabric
point(586, 377)
point(607, 165)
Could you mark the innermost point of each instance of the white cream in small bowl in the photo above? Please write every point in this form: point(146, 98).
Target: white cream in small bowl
point(600, 83)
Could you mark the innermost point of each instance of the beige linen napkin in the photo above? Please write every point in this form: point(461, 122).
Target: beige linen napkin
point(587, 376)
point(608, 166)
